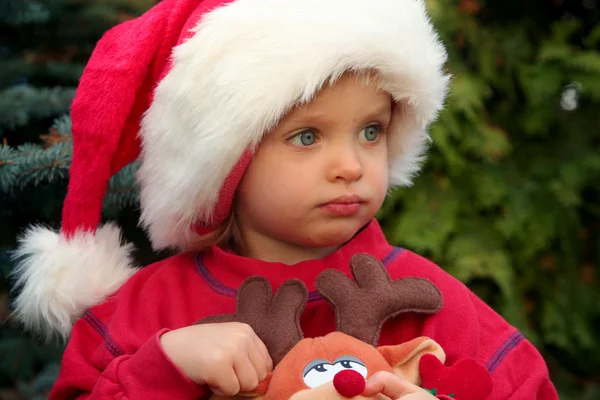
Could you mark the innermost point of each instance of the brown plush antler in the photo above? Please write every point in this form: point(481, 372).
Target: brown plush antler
point(363, 305)
point(275, 319)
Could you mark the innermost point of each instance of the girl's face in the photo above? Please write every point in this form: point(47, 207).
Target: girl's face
point(318, 176)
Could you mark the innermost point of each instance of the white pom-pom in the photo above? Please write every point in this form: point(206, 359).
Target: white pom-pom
point(60, 278)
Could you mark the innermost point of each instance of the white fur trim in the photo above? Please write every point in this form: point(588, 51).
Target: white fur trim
point(60, 279)
point(247, 63)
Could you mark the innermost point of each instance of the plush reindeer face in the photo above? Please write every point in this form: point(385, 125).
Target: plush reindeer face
point(335, 366)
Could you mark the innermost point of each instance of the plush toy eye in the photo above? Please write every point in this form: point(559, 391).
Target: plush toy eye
point(322, 367)
point(350, 362)
point(318, 372)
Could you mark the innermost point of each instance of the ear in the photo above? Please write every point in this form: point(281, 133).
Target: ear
point(404, 358)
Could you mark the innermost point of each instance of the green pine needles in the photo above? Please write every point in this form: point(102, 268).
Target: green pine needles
point(30, 165)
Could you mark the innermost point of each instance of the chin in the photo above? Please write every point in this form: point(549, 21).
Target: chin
point(334, 234)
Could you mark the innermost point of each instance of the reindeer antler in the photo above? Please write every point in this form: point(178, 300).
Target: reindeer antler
point(275, 319)
point(363, 305)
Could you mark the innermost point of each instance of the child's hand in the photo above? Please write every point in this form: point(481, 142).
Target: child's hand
point(390, 385)
point(228, 357)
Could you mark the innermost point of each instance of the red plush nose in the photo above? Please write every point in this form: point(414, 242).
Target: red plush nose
point(349, 383)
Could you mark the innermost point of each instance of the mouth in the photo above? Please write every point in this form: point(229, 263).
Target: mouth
point(344, 206)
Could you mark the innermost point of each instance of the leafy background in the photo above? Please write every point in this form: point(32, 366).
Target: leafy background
point(509, 201)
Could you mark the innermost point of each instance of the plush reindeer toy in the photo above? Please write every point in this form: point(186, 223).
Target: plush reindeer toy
point(336, 366)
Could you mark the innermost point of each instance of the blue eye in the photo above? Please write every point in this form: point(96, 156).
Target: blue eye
point(305, 138)
point(371, 132)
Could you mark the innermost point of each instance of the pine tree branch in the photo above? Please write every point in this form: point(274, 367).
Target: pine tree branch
point(20, 12)
point(122, 190)
point(19, 104)
point(33, 164)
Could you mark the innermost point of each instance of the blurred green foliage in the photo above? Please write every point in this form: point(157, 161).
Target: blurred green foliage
point(509, 201)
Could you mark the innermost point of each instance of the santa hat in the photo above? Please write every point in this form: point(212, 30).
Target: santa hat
point(190, 88)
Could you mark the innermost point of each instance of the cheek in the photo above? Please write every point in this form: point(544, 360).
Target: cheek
point(382, 175)
point(266, 188)
point(378, 172)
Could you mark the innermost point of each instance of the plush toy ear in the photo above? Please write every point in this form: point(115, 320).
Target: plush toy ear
point(260, 390)
point(256, 394)
point(404, 358)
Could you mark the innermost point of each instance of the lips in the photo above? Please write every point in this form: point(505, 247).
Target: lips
point(346, 205)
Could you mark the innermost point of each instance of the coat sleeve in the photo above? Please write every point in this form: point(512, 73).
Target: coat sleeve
point(467, 327)
point(95, 367)
point(518, 370)
point(526, 370)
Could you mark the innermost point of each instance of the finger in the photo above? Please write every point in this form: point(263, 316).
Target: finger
point(257, 358)
point(225, 382)
point(216, 391)
point(389, 385)
point(266, 357)
point(246, 373)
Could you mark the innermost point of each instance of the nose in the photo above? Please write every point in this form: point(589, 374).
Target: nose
point(349, 383)
point(347, 165)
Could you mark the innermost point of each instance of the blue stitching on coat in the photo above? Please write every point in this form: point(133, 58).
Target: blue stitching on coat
point(503, 351)
point(220, 288)
point(392, 256)
point(99, 327)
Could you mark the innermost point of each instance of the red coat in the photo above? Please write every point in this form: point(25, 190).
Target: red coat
point(114, 351)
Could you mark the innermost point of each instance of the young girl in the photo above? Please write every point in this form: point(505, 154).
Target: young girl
point(269, 132)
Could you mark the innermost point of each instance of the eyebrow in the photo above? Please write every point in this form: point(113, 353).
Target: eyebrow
point(384, 108)
point(323, 118)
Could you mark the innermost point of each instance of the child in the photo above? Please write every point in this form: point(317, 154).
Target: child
point(268, 132)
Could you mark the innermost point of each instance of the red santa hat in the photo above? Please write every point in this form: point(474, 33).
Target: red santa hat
point(190, 88)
